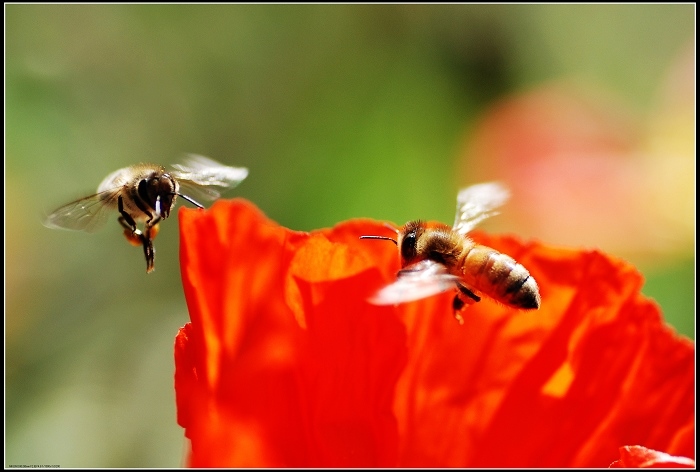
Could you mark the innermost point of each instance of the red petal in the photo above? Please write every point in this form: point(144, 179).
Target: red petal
point(185, 375)
point(297, 370)
point(639, 456)
point(563, 386)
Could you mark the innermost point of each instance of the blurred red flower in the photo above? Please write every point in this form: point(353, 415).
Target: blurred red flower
point(585, 169)
point(284, 363)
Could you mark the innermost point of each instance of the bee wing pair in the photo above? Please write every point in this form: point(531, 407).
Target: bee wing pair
point(476, 203)
point(195, 176)
point(420, 280)
point(85, 214)
point(198, 174)
point(427, 277)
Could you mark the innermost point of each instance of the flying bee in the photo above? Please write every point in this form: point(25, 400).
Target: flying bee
point(146, 193)
point(436, 258)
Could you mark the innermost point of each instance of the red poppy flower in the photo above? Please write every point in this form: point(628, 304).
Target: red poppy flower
point(285, 364)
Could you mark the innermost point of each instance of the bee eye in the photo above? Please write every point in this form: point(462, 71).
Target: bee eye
point(143, 187)
point(408, 246)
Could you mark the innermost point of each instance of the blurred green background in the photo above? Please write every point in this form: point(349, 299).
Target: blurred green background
point(339, 111)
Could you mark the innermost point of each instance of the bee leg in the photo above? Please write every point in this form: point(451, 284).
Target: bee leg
point(459, 302)
point(133, 235)
point(149, 251)
point(126, 220)
point(457, 305)
point(153, 223)
point(468, 293)
point(136, 237)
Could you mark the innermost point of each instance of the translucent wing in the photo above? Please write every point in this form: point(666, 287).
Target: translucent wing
point(198, 173)
point(86, 214)
point(420, 280)
point(476, 203)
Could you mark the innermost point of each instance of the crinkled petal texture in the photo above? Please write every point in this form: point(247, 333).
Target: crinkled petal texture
point(285, 364)
point(642, 457)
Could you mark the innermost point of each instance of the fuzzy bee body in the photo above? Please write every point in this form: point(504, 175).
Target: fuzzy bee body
point(436, 257)
point(146, 193)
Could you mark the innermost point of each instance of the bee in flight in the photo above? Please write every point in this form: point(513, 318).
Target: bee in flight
point(146, 193)
point(436, 258)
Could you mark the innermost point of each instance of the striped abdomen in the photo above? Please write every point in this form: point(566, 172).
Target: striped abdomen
point(500, 277)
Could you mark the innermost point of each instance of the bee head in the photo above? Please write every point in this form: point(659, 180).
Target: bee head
point(159, 192)
point(408, 241)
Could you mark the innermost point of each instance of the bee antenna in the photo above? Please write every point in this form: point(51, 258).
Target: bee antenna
point(380, 237)
point(189, 199)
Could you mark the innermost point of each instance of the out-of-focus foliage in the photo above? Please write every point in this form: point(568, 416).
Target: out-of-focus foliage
point(339, 111)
